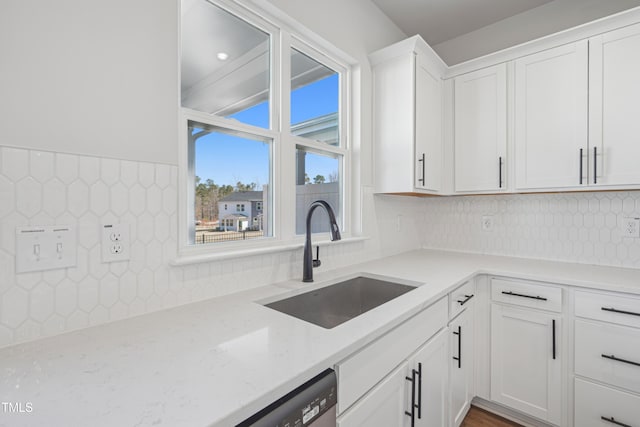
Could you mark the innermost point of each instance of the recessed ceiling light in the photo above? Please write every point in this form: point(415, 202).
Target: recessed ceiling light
point(222, 56)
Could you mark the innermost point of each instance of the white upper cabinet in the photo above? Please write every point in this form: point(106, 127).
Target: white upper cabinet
point(407, 90)
point(428, 127)
point(550, 122)
point(480, 130)
point(614, 123)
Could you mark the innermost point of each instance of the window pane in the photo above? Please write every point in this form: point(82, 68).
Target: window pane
point(314, 99)
point(232, 192)
point(317, 178)
point(224, 65)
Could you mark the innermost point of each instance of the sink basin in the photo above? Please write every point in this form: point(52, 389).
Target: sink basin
point(333, 305)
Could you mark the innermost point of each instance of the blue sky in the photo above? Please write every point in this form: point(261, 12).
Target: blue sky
point(228, 159)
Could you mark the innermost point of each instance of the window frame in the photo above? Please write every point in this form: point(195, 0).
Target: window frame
point(283, 144)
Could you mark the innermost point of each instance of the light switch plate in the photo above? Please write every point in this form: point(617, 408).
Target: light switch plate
point(45, 248)
point(115, 242)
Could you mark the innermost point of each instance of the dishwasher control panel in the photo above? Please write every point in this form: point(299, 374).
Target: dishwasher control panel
point(302, 406)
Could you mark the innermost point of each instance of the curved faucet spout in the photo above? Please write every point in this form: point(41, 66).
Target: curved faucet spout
point(307, 268)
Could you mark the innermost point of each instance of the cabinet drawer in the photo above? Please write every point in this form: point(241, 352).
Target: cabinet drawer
point(608, 353)
point(614, 308)
point(382, 406)
point(461, 298)
point(594, 402)
point(526, 294)
point(364, 369)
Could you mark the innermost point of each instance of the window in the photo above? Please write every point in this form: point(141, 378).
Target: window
point(235, 138)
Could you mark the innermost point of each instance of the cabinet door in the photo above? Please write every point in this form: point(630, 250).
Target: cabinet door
point(551, 118)
point(526, 361)
point(383, 406)
point(428, 127)
point(614, 91)
point(461, 366)
point(432, 398)
point(393, 111)
point(481, 129)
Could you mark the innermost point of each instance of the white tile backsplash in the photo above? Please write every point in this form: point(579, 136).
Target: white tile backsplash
point(40, 188)
point(575, 227)
point(43, 188)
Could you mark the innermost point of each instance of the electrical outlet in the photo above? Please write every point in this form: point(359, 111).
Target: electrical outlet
point(631, 227)
point(487, 223)
point(115, 242)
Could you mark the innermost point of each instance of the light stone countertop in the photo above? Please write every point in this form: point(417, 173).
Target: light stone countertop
point(218, 361)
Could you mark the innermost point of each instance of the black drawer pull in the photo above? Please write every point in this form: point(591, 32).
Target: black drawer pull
point(613, 421)
point(466, 298)
point(553, 325)
point(459, 358)
point(580, 166)
point(617, 359)
point(419, 405)
point(613, 310)
point(524, 296)
point(412, 414)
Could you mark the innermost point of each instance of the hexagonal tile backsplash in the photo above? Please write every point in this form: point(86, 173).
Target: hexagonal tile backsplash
point(575, 227)
point(44, 188)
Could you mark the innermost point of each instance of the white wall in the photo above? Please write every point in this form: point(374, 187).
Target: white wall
point(90, 77)
point(89, 134)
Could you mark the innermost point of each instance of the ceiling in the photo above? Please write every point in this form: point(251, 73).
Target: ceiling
point(240, 80)
point(459, 30)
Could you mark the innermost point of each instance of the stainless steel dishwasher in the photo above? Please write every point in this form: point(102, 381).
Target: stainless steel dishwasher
point(311, 404)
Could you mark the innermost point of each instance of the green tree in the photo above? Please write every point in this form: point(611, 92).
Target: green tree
point(245, 187)
point(318, 179)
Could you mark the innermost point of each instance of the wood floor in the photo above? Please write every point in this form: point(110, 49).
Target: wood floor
point(480, 418)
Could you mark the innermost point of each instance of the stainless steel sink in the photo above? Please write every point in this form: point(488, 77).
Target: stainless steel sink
point(333, 305)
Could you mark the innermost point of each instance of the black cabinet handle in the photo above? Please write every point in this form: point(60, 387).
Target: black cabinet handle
point(524, 296)
point(459, 358)
point(595, 165)
point(613, 310)
point(581, 166)
point(613, 421)
point(424, 166)
point(553, 326)
point(617, 359)
point(419, 391)
point(465, 300)
point(412, 414)
point(500, 172)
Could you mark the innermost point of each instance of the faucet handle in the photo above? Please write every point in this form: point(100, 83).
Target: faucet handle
point(317, 262)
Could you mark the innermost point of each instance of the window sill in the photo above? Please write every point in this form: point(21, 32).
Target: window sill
point(182, 260)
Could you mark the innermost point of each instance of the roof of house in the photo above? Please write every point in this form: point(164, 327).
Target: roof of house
point(242, 196)
point(235, 216)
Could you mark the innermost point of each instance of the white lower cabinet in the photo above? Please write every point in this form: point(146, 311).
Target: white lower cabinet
point(598, 406)
point(383, 406)
point(526, 372)
point(422, 373)
point(607, 359)
point(461, 366)
point(401, 378)
point(414, 394)
point(430, 361)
